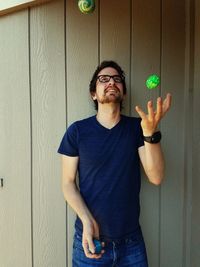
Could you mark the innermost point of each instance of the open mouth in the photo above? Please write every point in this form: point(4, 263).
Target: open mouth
point(111, 90)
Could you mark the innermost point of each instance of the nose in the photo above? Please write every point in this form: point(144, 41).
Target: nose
point(111, 80)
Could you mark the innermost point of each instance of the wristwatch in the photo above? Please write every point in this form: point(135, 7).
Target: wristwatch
point(154, 138)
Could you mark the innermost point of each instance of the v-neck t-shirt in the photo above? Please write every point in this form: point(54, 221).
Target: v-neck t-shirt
point(109, 172)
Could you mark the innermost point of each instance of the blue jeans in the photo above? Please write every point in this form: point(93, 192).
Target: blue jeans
point(130, 252)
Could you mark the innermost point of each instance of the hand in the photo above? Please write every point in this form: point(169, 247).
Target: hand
point(90, 231)
point(151, 120)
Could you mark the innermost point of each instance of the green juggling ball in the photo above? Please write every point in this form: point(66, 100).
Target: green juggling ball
point(86, 6)
point(153, 81)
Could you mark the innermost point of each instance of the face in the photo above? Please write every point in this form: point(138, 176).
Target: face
point(108, 91)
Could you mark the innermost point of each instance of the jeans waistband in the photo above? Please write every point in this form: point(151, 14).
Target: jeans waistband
point(130, 238)
point(125, 240)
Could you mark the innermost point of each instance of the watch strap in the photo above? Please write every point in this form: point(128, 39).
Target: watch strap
point(154, 138)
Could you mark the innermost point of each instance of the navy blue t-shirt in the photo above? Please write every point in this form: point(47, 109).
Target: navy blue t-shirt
point(109, 172)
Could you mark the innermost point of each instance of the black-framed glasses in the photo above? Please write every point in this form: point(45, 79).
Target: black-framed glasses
point(106, 78)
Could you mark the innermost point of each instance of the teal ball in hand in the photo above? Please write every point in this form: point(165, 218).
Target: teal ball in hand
point(153, 81)
point(98, 246)
point(86, 6)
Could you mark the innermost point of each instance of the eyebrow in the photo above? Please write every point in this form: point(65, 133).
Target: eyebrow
point(108, 75)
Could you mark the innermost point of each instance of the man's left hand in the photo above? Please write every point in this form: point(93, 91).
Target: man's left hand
point(151, 120)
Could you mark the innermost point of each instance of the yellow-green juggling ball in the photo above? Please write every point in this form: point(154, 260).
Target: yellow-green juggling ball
point(86, 6)
point(152, 81)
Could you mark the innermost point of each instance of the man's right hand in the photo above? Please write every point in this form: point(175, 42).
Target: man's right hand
point(90, 231)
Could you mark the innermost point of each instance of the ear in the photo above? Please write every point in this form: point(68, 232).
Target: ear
point(93, 95)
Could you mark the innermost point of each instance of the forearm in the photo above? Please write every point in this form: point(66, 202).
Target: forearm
point(150, 154)
point(75, 200)
point(154, 162)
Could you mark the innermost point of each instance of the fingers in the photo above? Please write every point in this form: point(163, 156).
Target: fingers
point(140, 112)
point(91, 246)
point(159, 110)
point(150, 110)
point(167, 103)
point(86, 247)
point(151, 120)
point(89, 249)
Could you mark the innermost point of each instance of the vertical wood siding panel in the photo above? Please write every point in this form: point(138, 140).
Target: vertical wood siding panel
point(115, 37)
point(82, 59)
point(188, 130)
point(15, 196)
point(195, 220)
point(146, 61)
point(48, 116)
point(173, 53)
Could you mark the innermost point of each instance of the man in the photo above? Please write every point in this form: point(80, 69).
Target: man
point(106, 150)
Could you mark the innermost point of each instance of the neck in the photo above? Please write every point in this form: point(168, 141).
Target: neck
point(108, 115)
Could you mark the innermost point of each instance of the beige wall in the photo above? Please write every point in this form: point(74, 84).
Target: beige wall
point(10, 6)
point(48, 55)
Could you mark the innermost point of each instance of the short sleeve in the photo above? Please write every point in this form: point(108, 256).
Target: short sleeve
point(69, 143)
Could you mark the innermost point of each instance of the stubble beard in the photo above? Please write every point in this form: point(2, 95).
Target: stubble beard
point(110, 98)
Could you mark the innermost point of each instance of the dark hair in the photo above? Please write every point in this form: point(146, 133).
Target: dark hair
point(103, 65)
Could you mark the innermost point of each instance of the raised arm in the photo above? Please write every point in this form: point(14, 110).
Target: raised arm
point(151, 155)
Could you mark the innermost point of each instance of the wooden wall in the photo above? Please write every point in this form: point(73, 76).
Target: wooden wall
point(15, 143)
point(48, 55)
point(194, 111)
